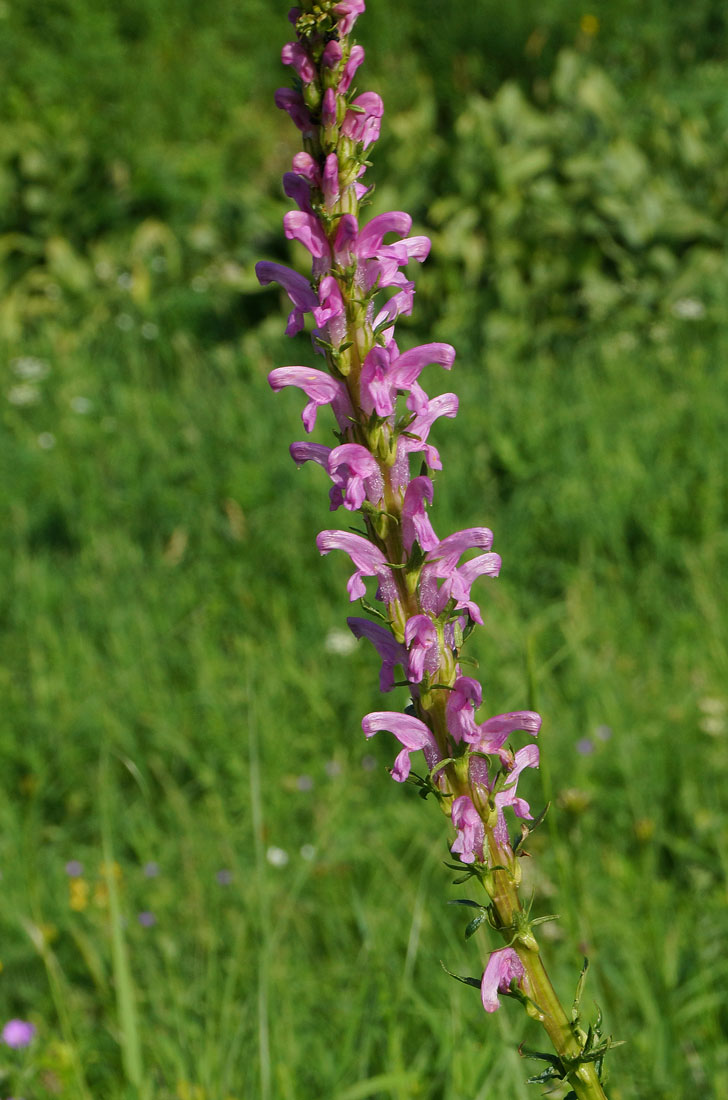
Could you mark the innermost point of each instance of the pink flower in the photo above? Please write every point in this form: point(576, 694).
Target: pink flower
point(462, 702)
point(347, 12)
point(503, 967)
point(420, 635)
point(415, 521)
point(296, 287)
point(367, 559)
point(356, 56)
point(320, 388)
point(471, 831)
point(18, 1033)
point(294, 54)
point(410, 732)
point(306, 228)
point(363, 123)
point(350, 465)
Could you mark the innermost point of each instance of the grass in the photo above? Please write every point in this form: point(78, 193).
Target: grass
point(179, 716)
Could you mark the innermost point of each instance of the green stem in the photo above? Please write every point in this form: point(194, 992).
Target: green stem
point(508, 911)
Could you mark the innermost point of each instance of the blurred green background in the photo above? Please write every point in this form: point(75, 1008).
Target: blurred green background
point(211, 888)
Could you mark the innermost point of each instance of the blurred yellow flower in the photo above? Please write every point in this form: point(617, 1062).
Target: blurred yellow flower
point(78, 890)
point(589, 24)
point(113, 868)
point(185, 1091)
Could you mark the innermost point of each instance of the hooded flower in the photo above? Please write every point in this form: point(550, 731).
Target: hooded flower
point(471, 831)
point(410, 732)
point(503, 967)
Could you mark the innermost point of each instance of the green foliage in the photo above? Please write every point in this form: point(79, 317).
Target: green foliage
point(165, 613)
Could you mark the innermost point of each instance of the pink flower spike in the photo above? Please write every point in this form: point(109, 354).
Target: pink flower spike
point(356, 56)
point(347, 12)
point(349, 464)
point(299, 226)
point(503, 967)
point(420, 635)
point(462, 702)
point(415, 521)
point(294, 54)
point(410, 732)
point(320, 388)
point(391, 652)
point(368, 560)
point(471, 832)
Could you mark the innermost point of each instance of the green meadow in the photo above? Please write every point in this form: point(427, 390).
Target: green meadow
point(211, 888)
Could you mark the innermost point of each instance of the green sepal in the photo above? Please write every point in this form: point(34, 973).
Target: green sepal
point(474, 982)
point(475, 924)
point(366, 606)
point(526, 830)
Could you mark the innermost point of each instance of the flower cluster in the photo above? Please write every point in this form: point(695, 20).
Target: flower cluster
point(359, 286)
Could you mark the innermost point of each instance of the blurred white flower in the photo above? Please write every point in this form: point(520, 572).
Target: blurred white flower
point(24, 394)
point(277, 857)
point(46, 441)
point(341, 642)
point(29, 368)
point(81, 405)
point(688, 309)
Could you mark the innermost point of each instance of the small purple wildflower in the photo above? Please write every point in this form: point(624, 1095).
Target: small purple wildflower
point(503, 967)
point(18, 1033)
point(74, 868)
point(585, 746)
point(224, 877)
point(147, 919)
point(151, 869)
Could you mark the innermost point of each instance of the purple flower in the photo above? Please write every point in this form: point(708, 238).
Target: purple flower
point(391, 651)
point(18, 1033)
point(503, 967)
point(471, 831)
point(74, 868)
point(410, 732)
point(292, 102)
point(296, 287)
point(224, 877)
point(306, 228)
point(147, 919)
point(151, 869)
